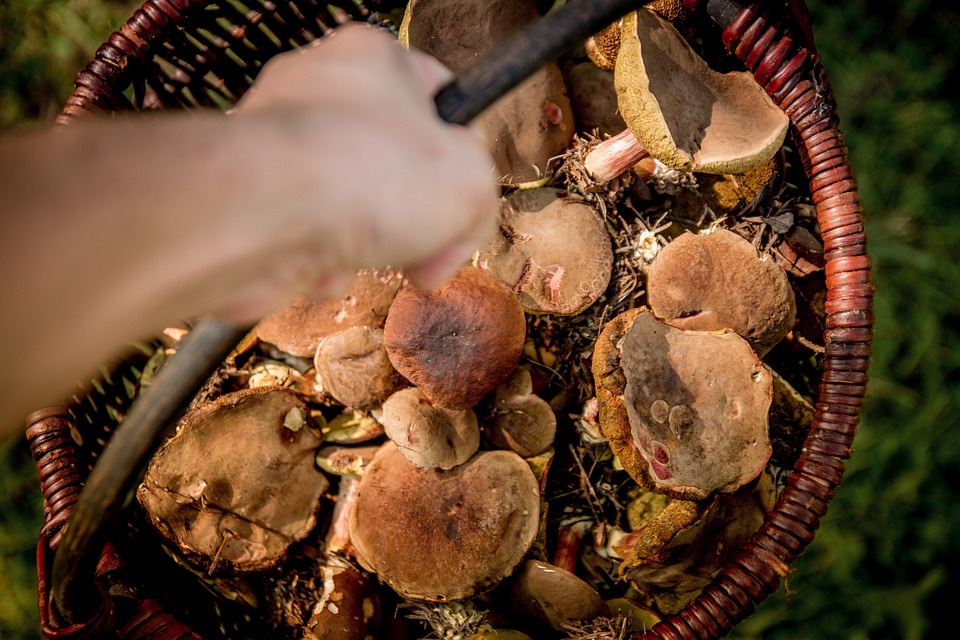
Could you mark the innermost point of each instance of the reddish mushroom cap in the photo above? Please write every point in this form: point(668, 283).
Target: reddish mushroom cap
point(459, 342)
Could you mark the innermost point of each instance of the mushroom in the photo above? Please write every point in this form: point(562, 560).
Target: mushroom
point(683, 113)
point(299, 327)
point(593, 99)
point(445, 535)
point(237, 483)
point(343, 605)
point(553, 248)
point(518, 419)
point(719, 281)
point(353, 367)
point(430, 437)
point(677, 546)
point(685, 411)
point(459, 342)
point(543, 594)
point(532, 123)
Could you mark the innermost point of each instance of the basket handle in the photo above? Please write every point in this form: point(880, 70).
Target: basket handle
point(114, 479)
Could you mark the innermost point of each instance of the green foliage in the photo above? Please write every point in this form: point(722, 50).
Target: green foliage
point(43, 44)
point(886, 552)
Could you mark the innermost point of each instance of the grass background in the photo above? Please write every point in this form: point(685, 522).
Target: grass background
point(887, 552)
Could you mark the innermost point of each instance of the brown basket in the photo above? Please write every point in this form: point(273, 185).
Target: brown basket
point(197, 53)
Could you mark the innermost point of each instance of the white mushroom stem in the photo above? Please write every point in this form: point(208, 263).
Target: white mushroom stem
point(614, 156)
point(338, 535)
point(570, 543)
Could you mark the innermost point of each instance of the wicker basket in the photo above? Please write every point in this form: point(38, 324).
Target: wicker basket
point(177, 54)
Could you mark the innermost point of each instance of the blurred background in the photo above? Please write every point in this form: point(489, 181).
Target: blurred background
point(888, 549)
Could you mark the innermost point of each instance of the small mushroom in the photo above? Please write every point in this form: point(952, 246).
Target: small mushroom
point(686, 412)
point(685, 114)
point(353, 367)
point(518, 419)
point(720, 281)
point(430, 437)
point(543, 594)
point(445, 535)
point(237, 483)
point(532, 123)
point(459, 342)
point(553, 249)
point(299, 327)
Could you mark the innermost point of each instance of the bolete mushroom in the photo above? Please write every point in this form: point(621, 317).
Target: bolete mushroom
point(594, 100)
point(531, 124)
point(430, 437)
point(553, 248)
point(458, 342)
point(518, 419)
point(299, 327)
point(685, 411)
point(682, 112)
point(541, 594)
point(353, 367)
point(677, 546)
point(237, 483)
point(720, 281)
point(445, 535)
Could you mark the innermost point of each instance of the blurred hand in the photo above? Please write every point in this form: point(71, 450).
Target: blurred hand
point(368, 174)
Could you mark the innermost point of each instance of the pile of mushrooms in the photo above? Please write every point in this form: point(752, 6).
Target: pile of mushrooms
point(581, 426)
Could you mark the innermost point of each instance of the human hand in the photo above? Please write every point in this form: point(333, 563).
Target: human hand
point(361, 170)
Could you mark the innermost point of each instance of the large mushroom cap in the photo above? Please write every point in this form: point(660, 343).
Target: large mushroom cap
point(553, 248)
point(686, 411)
point(532, 123)
point(688, 116)
point(445, 535)
point(237, 484)
point(459, 342)
point(299, 327)
point(720, 281)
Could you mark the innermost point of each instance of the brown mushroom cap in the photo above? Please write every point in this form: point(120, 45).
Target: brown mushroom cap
point(445, 535)
point(518, 419)
point(685, 411)
point(299, 327)
point(545, 594)
point(720, 281)
point(237, 484)
point(353, 367)
point(594, 99)
point(553, 248)
point(430, 437)
point(459, 342)
point(534, 121)
point(688, 116)
point(346, 607)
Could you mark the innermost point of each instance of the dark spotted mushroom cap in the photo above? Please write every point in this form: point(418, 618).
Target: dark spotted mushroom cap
point(685, 411)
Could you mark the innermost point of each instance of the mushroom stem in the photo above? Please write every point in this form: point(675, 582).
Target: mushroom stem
point(569, 543)
point(338, 535)
point(614, 156)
